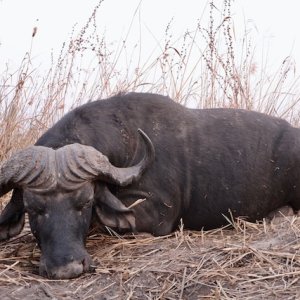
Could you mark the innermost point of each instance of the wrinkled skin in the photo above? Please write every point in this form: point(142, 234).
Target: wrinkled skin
point(61, 238)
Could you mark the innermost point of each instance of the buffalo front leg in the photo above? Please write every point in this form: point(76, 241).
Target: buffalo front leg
point(13, 216)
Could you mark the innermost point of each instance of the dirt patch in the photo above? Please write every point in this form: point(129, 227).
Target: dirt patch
point(250, 261)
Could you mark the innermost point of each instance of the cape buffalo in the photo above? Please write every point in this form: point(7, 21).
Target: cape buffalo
point(208, 164)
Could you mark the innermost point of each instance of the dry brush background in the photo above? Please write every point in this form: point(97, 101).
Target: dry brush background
point(207, 67)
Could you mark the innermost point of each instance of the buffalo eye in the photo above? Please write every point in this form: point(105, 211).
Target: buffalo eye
point(35, 211)
point(84, 205)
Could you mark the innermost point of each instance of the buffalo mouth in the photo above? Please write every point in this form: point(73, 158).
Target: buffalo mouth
point(72, 269)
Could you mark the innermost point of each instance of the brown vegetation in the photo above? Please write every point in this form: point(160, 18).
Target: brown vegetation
point(250, 261)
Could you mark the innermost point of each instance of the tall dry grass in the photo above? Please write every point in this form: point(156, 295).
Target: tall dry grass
point(206, 67)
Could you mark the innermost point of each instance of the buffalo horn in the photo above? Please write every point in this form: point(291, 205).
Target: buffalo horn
point(41, 168)
point(32, 167)
point(79, 163)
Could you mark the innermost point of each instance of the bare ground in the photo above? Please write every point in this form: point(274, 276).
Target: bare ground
point(248, 261)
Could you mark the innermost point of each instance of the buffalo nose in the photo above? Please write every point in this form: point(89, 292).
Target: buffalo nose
point(71, 270)
point(65, 267)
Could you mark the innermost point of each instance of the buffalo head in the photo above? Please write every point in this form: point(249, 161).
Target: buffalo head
point(58, 190)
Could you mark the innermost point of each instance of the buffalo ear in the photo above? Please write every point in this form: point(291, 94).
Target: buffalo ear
point(12, 217)
point(111, 212)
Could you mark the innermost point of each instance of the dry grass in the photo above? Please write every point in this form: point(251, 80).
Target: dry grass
point(251, 261)
point(207, 67)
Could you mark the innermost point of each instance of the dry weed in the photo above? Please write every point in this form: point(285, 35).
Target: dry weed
point(251, 261)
